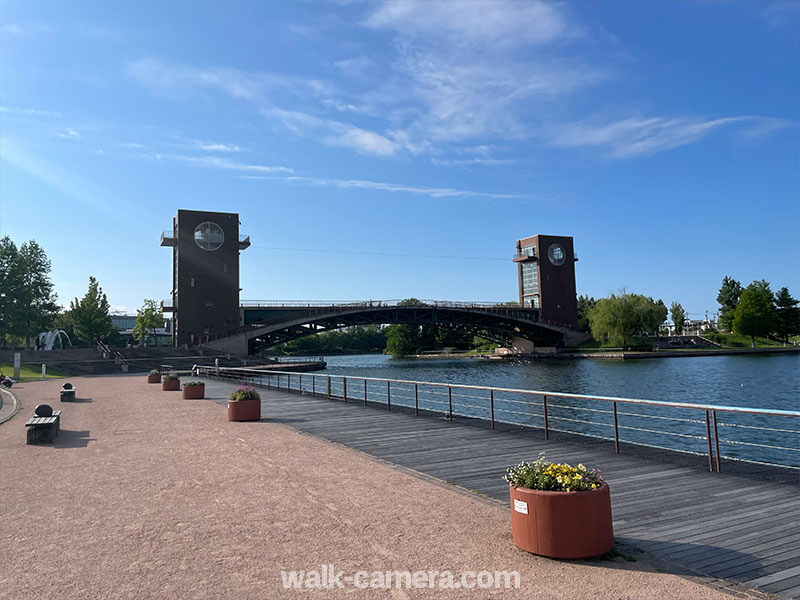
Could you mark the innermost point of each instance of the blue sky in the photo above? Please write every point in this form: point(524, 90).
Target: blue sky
point(359, 139)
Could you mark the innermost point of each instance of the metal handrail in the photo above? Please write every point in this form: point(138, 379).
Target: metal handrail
point(709, 419)
point(365, 303)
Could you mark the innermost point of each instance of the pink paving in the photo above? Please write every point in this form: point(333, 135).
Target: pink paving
point(145, 495)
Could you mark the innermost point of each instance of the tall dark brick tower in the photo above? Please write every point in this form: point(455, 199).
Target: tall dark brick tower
point(205, 273)
point(546, 268)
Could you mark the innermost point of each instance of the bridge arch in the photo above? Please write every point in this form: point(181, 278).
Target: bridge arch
point(503, 324)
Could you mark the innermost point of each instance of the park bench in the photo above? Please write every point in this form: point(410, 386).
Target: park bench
point(43, 429)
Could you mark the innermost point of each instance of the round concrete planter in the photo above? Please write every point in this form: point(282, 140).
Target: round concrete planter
point(244, 410)
point(154, 378)
point(171, 385)
point(562, 524)
point(194, 392)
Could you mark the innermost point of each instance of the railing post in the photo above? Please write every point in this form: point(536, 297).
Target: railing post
point(388, 396)
point(491, 407)
point(716, 438)
point(314, 385)
point(546, 428)
point(708, 438)
point(344, 388)
point(616, 430)
point(450, 402)
point(416, 399)
point(329, 387)
point(301, 383)
point(365, 391)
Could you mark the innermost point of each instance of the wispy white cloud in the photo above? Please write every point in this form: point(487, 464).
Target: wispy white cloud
point(636, 136)
point(782, 12)
point(11, 28)
point(482, 21)
point(465, 162)
point(478, 69)
point(354, 67)
point(216, 162)
point(216, 147)
point(361, 184)
point(29, 111)
point(334, 133)
point(68, 134)
point(133, 145)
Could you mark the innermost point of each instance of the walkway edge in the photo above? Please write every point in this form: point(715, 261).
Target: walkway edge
point(15, 406)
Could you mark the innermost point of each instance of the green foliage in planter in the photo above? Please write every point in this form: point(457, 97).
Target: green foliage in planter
point(193, 383)
point(554, 477)
point(172, 376)
point(244, 392)
point(154, 372)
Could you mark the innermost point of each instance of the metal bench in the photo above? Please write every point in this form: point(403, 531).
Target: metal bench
point(43, 429)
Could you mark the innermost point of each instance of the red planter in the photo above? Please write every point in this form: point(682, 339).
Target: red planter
point(562, 524)
point(244, 410)
point(154, 378)
point(171, 385)
point(194, 392)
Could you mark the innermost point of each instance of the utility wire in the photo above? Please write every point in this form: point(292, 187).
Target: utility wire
point(363, 253)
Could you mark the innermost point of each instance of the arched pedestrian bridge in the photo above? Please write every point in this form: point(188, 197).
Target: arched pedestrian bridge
point(267, 323)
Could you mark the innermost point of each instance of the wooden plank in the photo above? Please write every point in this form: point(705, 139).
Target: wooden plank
point(731, 523)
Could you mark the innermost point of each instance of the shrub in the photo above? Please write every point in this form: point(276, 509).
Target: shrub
point(244, 392)
point(192, 383)
point(554, 477)
point(154, 372)
point(171, 376)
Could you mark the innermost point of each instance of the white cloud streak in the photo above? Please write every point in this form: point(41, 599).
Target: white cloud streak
point(68, 134)
point(361, 184)
point(216, 162)
point(216, 147)
point(638, 136)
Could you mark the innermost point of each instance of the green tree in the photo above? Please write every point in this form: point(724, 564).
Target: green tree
point(728, 298)
point(28, 304)
point(755, 313)
point(787, 314)
point(678, 316)
point(90, 316)
point(585, 304)
point(618, 319)
point(402, 340)
point(148, 318)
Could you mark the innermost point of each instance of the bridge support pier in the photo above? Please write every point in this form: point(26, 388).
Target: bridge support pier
point(522, 346)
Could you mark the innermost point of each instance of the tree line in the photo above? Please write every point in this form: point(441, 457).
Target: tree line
point(758, 311)
point(29, 306)
point(754, 311)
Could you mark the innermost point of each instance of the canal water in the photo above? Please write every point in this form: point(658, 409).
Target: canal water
point(756, 381)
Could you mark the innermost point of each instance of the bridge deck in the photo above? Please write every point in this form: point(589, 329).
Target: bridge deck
point(740, 525)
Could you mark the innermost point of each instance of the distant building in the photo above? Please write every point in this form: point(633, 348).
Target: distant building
point(546, 271)
point(205, 273)
point(126, 323)
point(690, 327)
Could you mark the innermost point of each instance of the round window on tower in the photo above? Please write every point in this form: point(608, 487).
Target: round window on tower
point(209, 236)
point(556, 254)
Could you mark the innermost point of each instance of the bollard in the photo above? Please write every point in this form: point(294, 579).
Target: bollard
point(44, 370)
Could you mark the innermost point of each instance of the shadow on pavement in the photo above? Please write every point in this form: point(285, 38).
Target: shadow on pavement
point(72, 439)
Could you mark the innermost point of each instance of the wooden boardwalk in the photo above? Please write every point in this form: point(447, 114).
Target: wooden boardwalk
point(741, 525)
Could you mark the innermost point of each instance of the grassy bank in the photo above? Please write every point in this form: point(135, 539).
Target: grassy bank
point(28, 372)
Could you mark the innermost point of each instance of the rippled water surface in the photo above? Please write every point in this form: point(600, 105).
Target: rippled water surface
point(765, 381)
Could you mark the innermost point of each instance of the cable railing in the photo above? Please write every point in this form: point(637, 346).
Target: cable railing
point(764, 436)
